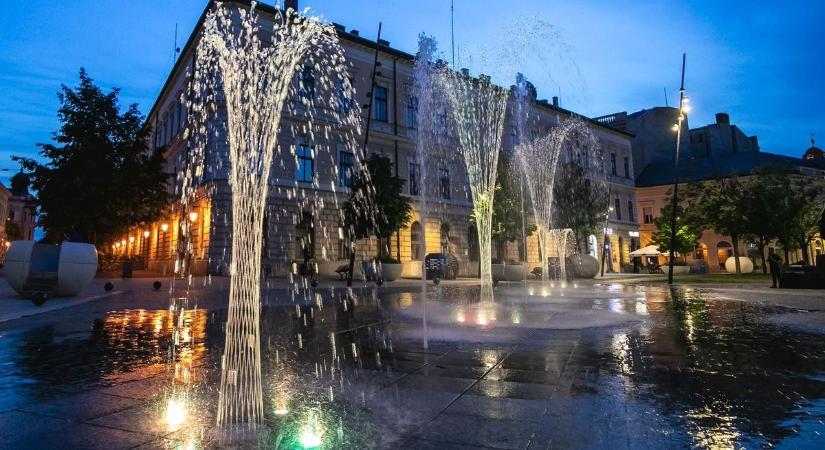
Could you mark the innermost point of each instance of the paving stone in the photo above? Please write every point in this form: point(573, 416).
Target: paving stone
point(81, 407)
point(492, 433)
point(499, 407)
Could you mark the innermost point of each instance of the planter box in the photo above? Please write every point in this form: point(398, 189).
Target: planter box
point(508, 272)
point(391, 272)
point(677, 270)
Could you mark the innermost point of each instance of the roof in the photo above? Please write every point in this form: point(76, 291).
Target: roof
point(700, 169)
point(344, 35)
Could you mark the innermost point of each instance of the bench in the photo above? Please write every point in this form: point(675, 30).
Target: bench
point(342, 271)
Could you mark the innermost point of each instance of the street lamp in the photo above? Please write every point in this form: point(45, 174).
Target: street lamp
point(683, 109)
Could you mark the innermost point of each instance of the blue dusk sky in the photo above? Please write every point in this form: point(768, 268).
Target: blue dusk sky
point(762, 62)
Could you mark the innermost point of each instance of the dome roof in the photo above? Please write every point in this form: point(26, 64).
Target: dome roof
point(813, 153)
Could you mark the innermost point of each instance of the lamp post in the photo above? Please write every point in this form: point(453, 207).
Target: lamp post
point(674, 200)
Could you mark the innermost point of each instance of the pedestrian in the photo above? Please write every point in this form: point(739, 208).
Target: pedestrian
point(775, 263)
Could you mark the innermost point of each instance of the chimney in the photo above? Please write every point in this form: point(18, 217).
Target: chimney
point(291, 4)
point(465, 72)
point(354, 32)
point(722, 119)
point(384, 42)
point(556, 101)
point(338, 27)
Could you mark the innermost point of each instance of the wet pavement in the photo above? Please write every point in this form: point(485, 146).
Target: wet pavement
point(596, 366)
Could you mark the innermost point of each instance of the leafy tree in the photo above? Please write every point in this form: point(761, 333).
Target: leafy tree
point(508, 217)
point(687, 233)
point(375, 206)
point(718, 204)
point(13, 231)
point(580, 202)
point(764, 193)
point(98, 179)
point(806, 220)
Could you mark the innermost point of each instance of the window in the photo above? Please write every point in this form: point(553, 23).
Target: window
point(626, 167)
point(344, 249)
point(617, 204)
point(613, 164)
point(412, 111)
point(647, 212)
point(472, 243)
point(305, 237)
point(415, 178)
point(306, 163)
point(345, 100)
point(306, 86)
point(445, 238)
point(379, 103)
point(630, 216)
point(416, 249)
point(444, 178)
point(346, 161)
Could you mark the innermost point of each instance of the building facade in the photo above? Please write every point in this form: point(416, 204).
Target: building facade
point(308, 182)
point(715, 150)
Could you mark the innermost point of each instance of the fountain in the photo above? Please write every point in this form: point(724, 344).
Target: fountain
point(572, 142)
point(478, 109)
point(248, 81)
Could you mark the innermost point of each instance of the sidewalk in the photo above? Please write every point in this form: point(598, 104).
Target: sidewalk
point(12, 306)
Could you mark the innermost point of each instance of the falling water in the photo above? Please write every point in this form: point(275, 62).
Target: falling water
point(478, 110)
point(245, 75)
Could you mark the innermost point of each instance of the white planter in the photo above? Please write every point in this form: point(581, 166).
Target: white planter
point(508, 272)
point(677, 270)
point(76, 266)
point(391, 272)
point(745, 264)
point(582, 266)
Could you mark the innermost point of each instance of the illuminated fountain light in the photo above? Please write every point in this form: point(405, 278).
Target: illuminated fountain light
point(241, 80)
point(176, 411)
point(312, 432)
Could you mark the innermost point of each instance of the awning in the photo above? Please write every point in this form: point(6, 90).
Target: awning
point(650, 250)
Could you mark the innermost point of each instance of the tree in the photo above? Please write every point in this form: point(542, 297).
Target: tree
point(392, 210)
point(687, 233)
point(579, 202)
point(806, 220)
point(719, 205)
point(98, 179)
point(763, 195)
point(375, 206)
point(508, 206)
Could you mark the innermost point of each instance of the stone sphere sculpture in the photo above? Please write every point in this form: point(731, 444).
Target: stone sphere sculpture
point(583, 266)
point(745, 264)
point(64, 270)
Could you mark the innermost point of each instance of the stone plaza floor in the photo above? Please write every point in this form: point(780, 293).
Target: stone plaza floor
point(599, 365)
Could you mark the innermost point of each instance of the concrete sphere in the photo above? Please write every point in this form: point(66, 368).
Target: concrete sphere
point(17, 263)
point(77, 268)
point(745, 264)
point(582, 266)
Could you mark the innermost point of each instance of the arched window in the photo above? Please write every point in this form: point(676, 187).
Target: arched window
point(723, 251)
point(416, 249)
point(445, 238)
point(472, 243)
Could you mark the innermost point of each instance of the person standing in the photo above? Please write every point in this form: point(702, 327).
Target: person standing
point(775, 264)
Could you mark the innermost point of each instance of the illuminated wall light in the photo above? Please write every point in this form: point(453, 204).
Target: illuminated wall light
point(193, 216)
point(146, 234)
point(164, 227)
point(131, 239)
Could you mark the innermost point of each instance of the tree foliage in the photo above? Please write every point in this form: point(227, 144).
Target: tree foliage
point(718, 205)
point(508, 206)
point(98, 178)
point(375, 206)
point(687, 232)
point(580, 203)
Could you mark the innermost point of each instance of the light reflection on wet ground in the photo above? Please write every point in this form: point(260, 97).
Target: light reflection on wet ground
point(593, 367)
